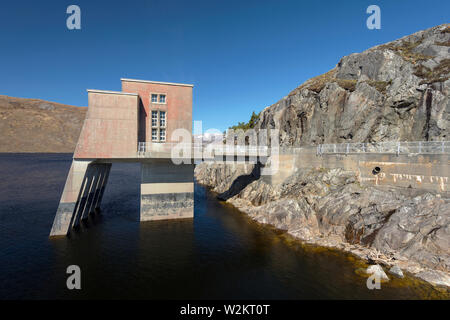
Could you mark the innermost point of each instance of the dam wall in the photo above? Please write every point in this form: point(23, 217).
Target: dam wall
point(419, 171)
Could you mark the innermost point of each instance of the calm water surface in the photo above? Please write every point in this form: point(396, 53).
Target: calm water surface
point(220, 254)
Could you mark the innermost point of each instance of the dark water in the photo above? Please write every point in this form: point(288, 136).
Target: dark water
point(220, 254)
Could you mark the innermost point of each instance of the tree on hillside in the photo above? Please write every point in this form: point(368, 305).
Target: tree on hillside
point(249, 125)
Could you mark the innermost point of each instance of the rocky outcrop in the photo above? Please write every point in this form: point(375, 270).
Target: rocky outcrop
point(406, 228)
point(398, 91)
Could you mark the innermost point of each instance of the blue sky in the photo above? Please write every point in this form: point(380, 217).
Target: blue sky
point(240, 55)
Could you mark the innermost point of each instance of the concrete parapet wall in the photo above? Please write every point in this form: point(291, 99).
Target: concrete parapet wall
point(428, 172)
point(419, 171)
point(167, 190)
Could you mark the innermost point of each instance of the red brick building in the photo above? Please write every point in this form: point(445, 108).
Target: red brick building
point(164, 107)
point(145, 111)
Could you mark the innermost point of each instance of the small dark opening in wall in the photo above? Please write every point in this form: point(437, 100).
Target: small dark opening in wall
point(376, 170)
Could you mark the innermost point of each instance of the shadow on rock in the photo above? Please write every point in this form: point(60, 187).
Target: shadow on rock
point(241, 182)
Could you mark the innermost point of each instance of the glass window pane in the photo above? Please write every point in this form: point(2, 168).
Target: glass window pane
point(162, 134)
point(154, 98)
point(162, 118)
point(162, 98)
point(154, 118)
point(154, 135)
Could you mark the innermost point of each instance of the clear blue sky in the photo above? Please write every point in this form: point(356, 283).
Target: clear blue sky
point(240, 55)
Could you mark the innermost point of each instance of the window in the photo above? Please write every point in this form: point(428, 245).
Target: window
point(154, 118)
point(162, 118)
point(159, 122)
point(158, 98)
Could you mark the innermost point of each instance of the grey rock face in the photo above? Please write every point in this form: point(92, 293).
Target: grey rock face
point(398, 91)
point(221, 176)
point(434, 276)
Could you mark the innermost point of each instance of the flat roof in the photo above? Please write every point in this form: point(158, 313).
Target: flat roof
point(112, 92)
point(158, 82)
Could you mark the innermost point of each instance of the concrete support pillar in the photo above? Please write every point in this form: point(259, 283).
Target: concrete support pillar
point(84, 181)
point(101, 190)
point(93, 172)
point(70, 198)
point(103, 176)
point(93, 195)
point(80, 208)
point(167, 190)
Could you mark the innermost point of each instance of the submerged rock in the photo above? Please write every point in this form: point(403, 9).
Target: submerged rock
point(396, 271)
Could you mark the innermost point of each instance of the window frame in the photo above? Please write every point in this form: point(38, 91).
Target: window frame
point(162, 119)
point(158, 97)
point(160, 124)
point(156, 119)
point(161, 135)
point(156, 135)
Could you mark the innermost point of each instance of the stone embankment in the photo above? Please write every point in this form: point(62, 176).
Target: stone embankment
point(395, 227)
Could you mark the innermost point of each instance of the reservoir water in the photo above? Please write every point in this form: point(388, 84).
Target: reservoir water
point(220, 254)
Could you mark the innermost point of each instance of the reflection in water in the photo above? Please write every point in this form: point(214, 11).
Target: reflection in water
point(220, 254)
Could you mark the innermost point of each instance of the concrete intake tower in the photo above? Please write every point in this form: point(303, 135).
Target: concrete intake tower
point(144, 112)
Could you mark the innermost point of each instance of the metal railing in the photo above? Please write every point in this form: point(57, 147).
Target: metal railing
point(393, 147)
point(147, 149)
point(152, 148)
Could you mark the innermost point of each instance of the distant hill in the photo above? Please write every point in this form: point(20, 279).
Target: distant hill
point(32, 125)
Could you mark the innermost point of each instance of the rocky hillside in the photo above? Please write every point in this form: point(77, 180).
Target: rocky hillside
point(31, 125)
point(395, 91)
